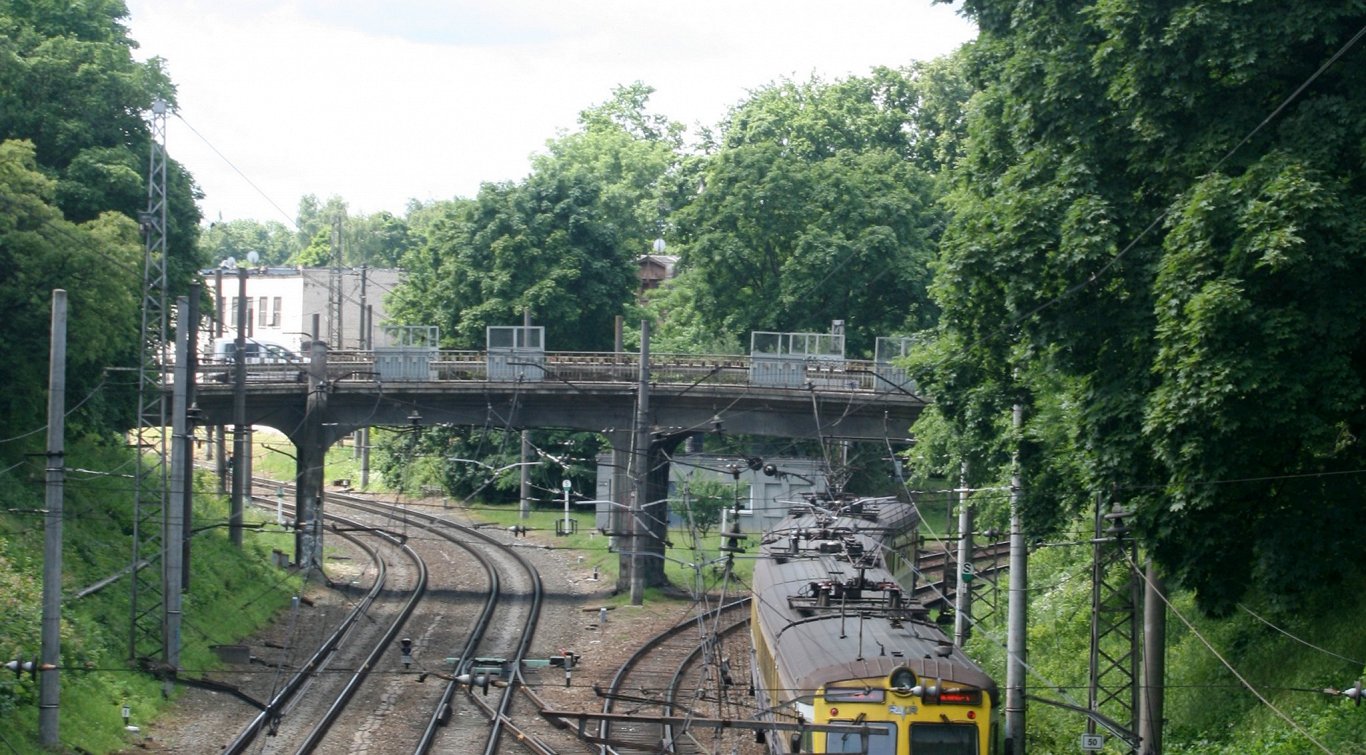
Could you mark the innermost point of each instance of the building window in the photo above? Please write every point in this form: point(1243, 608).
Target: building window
point(275, 313)
point(263, 313)
point(236, 308)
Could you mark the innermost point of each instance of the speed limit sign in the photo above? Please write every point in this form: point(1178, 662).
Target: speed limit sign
point(1092, 742)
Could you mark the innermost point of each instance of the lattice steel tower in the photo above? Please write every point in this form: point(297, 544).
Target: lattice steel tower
point(1115, 602)
point(146, 638)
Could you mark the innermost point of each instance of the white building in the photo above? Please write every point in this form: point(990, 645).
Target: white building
point(282, 301)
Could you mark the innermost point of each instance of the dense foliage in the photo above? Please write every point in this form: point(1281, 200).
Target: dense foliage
point(73, 162)
point(818, 204)
point(1168, 284)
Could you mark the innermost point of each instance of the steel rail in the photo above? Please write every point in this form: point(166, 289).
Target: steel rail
point(324, 725)
point(297, 680)
point(499, 718)
point(635, 659)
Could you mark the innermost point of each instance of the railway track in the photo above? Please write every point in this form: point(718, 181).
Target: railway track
point(309, 703)
point(482, 651)
point(696, 668)
point(465, 691)
point(937, 581)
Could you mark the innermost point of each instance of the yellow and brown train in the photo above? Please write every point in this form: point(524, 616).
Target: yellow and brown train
point(840, 643)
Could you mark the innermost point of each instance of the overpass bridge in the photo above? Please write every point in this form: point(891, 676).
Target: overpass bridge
point(319, 402)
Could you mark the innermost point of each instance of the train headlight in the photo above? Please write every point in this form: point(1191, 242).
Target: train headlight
point(902, 681)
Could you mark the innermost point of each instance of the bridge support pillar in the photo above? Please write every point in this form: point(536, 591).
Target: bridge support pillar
point(620, 493)
point(652, 526)
point(312, 451)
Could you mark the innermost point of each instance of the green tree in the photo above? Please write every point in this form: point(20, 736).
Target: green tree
point(813, 209)
point(1173, 304)
point(72, 101)
point(236, 238)
point(703, 502)
point(98, 263)
point(69, 85)
point(562, 242)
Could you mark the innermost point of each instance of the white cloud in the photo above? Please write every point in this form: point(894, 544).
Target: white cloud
point(381, 102)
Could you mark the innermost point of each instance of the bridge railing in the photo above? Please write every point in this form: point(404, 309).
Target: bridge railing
point(592, 367)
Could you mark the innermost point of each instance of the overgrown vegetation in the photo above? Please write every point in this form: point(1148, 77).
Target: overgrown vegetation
point(1087, 213)
point(232, 593)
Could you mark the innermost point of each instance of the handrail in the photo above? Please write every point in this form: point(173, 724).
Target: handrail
point(443, 365)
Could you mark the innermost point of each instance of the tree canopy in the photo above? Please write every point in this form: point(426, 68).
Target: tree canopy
point(1163, 265)
point(74, 156)
point(818, 204)
point(561, 243)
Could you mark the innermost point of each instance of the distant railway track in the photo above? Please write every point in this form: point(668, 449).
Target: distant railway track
point(935, 586)
point(353, 643)
point(675, 673)
point(502, 627)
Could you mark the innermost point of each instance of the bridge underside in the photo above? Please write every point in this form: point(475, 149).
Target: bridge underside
point(592, 407)
point(314, 418)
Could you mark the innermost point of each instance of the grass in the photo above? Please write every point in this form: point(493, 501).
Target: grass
point(232, 593)
point(684, 567)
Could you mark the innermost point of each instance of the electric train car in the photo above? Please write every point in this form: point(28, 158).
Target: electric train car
point(838, 641)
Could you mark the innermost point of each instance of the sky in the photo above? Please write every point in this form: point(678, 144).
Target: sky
point(380, 102)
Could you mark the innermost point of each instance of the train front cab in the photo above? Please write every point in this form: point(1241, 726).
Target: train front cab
point(910, 716)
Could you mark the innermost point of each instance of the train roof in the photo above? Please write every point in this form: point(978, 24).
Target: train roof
point(830, 610)
point(867, 515)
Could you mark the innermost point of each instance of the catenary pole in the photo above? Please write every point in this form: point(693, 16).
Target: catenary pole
point(1017, 615)
point(49, 692)
point(1150, 708)
point(239, 416)
point(172, 525)
point(524, 473)
point(640, 458)
point(962, 614)
point(192, 376)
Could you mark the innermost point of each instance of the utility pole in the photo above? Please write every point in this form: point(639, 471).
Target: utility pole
point(335, 296)
point(962, 613)
point(1017, 616)
point(173, 525)
point(49, 691)
point(1154, 663)
point(190, 323)
point(221, 312)
point(149, 443)
point(1113, 688)
point(362, 434)
point(525, 470)
point(240, 451)
point(308, 538)
point(640, 457)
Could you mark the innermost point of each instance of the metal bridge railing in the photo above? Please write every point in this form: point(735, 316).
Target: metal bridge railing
point(584, 367)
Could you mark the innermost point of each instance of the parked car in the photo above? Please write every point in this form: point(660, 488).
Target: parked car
point(265, 361)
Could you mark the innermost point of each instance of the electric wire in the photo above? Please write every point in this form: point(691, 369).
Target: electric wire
point(179, 116)
point(1213, 651)
point(1304, 642)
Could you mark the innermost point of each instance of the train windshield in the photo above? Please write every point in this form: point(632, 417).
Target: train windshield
point(881, 740)
point(943, 739)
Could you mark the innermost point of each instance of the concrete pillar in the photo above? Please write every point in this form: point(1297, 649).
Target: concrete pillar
point(310, 455)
